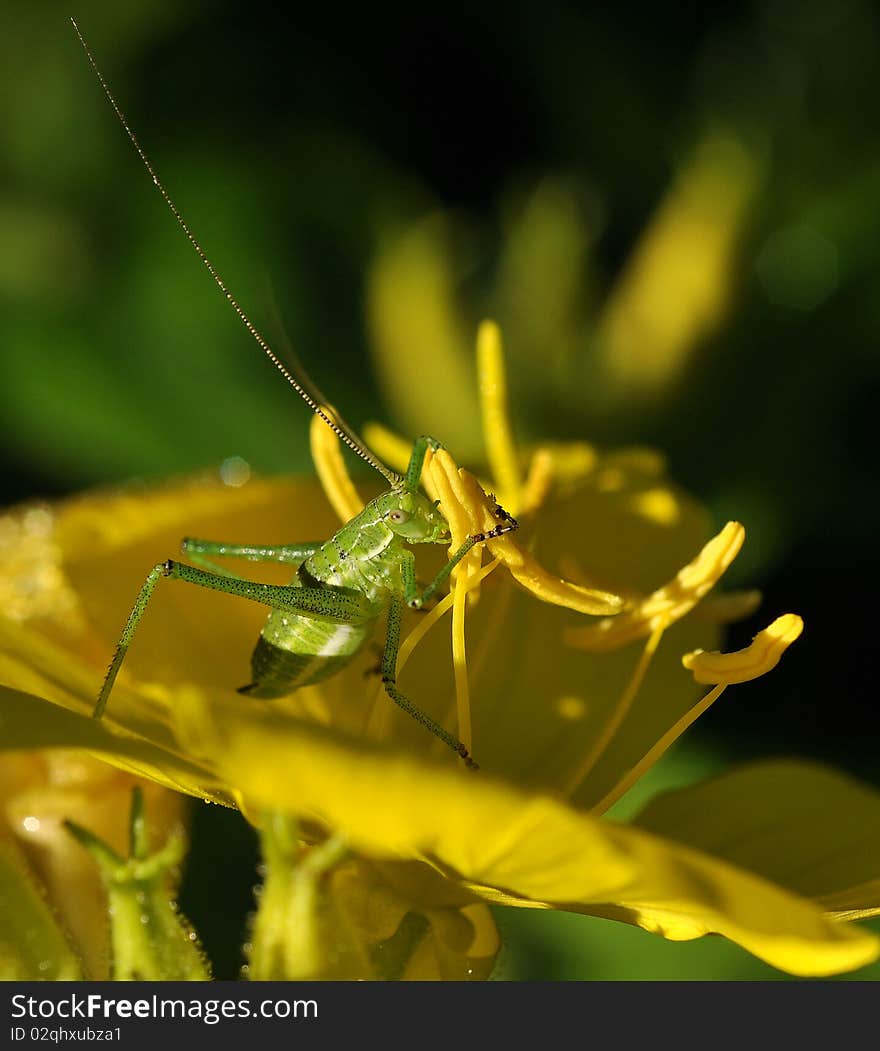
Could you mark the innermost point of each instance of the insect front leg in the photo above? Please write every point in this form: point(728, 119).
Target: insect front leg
point(506, 524)
point(389, 681)
point(289, 554)
point(335, 603)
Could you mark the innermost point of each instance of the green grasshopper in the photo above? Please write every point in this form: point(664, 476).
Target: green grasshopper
point(327, 614)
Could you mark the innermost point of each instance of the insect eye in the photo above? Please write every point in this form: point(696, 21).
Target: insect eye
point(398, 516)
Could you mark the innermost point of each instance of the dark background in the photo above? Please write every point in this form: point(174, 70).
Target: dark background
point(294, 141)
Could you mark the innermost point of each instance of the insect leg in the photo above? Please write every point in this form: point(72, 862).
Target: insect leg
point(293, 554)
point(289, 554)
point(417, 460)
point(389, 681)
point(410, 584)
point(334, 603)
point(507, 523)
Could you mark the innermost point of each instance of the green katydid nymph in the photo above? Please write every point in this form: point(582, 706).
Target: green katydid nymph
point(342, 587)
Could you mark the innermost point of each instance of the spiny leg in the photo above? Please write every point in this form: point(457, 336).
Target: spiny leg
point(335, 603)
point(389, 681)
point(292, 554)
point(288, 554)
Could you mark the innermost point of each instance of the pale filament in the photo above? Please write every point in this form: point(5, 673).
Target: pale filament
point(656, 753)
point(619, 711)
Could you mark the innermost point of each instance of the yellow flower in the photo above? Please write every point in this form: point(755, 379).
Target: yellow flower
point(42, 790)
point(404, 849)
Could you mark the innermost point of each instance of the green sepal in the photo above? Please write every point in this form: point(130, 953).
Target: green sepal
point(151, 940)
point(32, 946)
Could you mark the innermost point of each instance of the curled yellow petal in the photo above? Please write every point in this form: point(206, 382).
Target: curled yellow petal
point(757, 659)
point(669, 603)
point(496, 419)
point(334, 476)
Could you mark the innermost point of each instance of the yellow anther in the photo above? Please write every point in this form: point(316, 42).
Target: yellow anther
point(757, 659)
point(455, 502)
point(497, 433)
point(469, 510)
point(332, 472)
point(721, 670)
point(669, 603)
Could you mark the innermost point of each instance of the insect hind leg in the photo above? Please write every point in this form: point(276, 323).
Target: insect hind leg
point(389, 683)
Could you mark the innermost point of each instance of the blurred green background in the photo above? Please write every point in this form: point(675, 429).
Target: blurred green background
point(673, 212)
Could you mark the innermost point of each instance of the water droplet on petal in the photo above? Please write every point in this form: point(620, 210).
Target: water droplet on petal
point(235, 471)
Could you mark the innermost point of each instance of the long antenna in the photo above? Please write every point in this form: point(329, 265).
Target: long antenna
point(318, 409)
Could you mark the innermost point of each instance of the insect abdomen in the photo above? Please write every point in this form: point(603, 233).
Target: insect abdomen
point(294, 651)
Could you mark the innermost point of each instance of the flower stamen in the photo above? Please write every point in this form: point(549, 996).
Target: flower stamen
point(538, 483)
point(332, 471)
point(459, 665)
point(668, 603)
point(497, 432)
point(723, 669)
point(619, 711)
point(759, 657)
point(468, 509)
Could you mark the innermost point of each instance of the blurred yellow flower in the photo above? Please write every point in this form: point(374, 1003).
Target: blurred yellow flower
point(579, 345)
point(391, 850)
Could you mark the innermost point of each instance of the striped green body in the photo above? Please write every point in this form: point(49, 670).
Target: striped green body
point(299, 649)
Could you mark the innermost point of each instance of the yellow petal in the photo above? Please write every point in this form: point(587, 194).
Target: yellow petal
point(530, 850)
point(669, 603)
point(110, 542)
point(30, 722)
point(410, 941)
point(676, 287)
point(539, 288)
point(761, 656)
point(804, 826)
point(420, 341)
